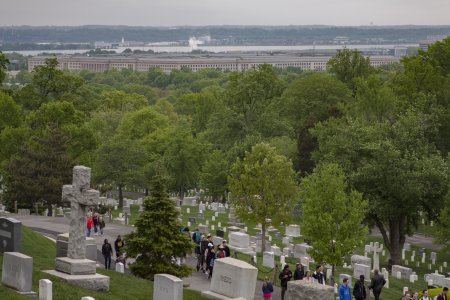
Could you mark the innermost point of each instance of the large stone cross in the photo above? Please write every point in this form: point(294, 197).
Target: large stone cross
point(376, 255)
point(80, 197)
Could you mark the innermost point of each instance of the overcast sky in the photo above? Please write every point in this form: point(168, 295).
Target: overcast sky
point(220, 12)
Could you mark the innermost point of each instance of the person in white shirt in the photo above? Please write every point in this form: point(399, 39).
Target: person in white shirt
point(425, 295)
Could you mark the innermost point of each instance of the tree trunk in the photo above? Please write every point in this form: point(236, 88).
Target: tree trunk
point(181, 192)
point(397, 239)
point(120, 197)
point(263, 237)
point(146, 192)
point(333, 269)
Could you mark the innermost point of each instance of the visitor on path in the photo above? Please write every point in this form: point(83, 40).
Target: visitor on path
point(101, 224)
point(299, 272)
point(443, 295)
point(208, 255)
point(211, 259)
point(89, 225)
point(107, 253)
point(319, 275)
point(308, 277)
point(118, 245)
point(203, 248)
point(285, 276)
point(95, 219)
point(415, 296)
point(359, 291)
point(377, 284)
point(226, 248)
point(197, 237)
point(425, 295)
point(221, 252)
point(344, 290)
point(406, 296)
point(267, 289)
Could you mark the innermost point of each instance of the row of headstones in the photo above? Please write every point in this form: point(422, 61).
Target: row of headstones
point(433, 255)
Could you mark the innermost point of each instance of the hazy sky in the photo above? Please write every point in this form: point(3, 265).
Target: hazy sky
point(219, 12)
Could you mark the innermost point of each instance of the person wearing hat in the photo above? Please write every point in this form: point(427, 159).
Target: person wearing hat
point(208, 255)
point(299, 272)
point(220, 252)
point(359, 291)
point(285, 276)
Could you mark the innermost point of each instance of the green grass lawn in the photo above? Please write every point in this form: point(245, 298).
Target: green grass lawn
point(122, 286)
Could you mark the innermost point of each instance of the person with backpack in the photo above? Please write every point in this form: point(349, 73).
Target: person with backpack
point(197, 237)
point(107, 252)
point(267, 289)
point(284, 276)
point(118, 245)
point(359, 291)
point(203, 248)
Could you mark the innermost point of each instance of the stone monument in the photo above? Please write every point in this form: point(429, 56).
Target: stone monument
point(75, 268)
point(299, 289)
point(17, 272)
point(10, 235)
point(167, 287)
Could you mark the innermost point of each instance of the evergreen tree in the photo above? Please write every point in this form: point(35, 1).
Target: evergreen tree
point(158, 240)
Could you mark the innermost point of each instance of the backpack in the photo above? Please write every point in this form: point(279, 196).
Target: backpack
point(197, 237)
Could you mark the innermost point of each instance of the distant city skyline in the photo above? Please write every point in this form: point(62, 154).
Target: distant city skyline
point(224, 12)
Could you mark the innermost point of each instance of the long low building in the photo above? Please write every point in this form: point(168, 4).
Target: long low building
point(167, 62)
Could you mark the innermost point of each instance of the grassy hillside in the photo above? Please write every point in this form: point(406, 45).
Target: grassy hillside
point(122, 286)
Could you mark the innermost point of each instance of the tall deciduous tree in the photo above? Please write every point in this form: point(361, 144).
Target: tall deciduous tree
point(120, 163)
point(263, 186)
point(332, 215)
point(394, 165)
point(213, 177)
point(158, 241)
point(4, 61)
point(39, 170)
point(348, 65)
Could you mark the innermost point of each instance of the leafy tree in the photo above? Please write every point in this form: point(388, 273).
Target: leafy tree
point(443, 230)
point(213, 177)
point(307, 101)
point(394, 165)
point(348, 65)
point(11, 115)
point(263, 186)
point(4, 61)
point(331, 215)
point(183, 158)
point(158, 241)
point(38, 171)
point(120, 163)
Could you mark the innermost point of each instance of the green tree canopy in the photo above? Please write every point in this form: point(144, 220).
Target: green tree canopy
point(213, 177)
point(263, 186)
point(332, 215)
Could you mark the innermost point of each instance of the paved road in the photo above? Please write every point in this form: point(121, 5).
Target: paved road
point(51, 227)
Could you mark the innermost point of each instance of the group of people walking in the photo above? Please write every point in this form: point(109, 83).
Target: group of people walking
point(207, 253)
point(95, 222)
point(359, 290)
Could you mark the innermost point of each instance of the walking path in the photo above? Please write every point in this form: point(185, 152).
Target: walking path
point(52, 226)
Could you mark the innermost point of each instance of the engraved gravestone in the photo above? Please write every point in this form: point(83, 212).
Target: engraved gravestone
point(167, 287)
point(17, 272)
point(10, 235)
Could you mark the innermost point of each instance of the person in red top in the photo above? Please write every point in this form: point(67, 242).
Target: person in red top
point(444, 295)
point(89, 226)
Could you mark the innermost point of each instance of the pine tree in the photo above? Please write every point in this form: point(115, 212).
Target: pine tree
point(158, 240)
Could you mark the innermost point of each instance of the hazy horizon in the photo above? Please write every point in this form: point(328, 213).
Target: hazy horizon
point(170, 13)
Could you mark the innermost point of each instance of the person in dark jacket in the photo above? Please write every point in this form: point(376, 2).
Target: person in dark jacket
point(444, 295)
point(211, 260)
point(359, 291)
point(107, 252)
point(377, 284)
point(299, 272)
point(267, 289)
point(285, 276)
point(319, 275)
point(203, 247)
point(225, 248)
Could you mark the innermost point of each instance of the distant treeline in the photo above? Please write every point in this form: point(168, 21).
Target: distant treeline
point(34, 46)
point(226, 35)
